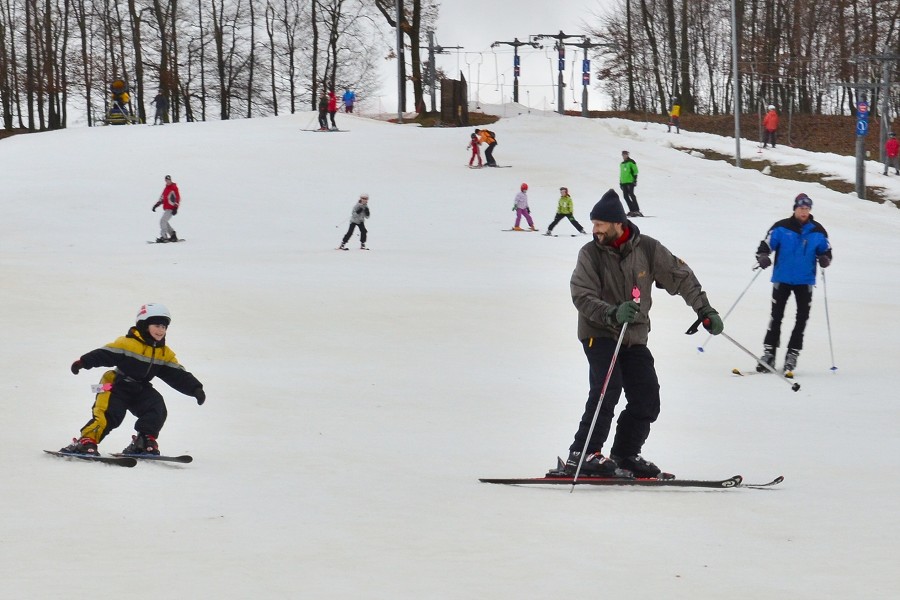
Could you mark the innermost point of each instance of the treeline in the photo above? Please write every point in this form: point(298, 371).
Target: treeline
point(798, 54)
point(217, 59)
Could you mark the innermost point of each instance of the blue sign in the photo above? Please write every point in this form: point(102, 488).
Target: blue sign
point(562, 64)
point(862, 127)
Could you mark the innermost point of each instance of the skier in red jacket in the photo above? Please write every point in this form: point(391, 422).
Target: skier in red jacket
point(332, 107)
point(892, 153)
point(770, 124)
point(169, 199)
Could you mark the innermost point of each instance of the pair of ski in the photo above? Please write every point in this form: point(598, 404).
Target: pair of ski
point(489, 166)
point(123, 460)
point(559, 477)
point(785, 374)
point(166, 242)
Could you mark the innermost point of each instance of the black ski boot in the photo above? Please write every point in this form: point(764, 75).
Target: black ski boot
point(790, 360)
point(142, 444)
point(639, 466)
point(594, 465)
point(768, 357)
point(84, 445)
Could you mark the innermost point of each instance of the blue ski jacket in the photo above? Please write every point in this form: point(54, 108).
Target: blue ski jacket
point(796, 247)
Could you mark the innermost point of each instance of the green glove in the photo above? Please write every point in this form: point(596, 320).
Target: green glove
point(711, 320)
point(626, 312)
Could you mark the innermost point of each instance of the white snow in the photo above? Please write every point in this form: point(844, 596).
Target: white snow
point(354, 398)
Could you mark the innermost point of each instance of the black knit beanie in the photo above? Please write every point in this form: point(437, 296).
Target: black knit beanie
point(609, 209)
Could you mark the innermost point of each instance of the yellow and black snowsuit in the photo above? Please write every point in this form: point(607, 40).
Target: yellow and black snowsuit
point(136, 361)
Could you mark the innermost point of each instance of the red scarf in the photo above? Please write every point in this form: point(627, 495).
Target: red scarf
point(626, 234)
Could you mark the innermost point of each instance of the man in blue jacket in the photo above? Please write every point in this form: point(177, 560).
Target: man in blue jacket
point(799, 242)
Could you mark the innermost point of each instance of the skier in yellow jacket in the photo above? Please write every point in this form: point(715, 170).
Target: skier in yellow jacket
point(138, 357)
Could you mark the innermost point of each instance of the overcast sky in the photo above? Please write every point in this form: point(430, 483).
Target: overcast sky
point(476, 24)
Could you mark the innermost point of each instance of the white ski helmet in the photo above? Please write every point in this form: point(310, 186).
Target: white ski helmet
point(771, 107)
point(154, 314)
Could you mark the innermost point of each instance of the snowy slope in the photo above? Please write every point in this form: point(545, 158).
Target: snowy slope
point(354, 398)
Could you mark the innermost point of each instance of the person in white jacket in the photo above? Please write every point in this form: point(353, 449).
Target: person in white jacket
point(522, 209)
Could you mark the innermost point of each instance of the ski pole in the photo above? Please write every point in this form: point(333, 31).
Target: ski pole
point(758, 271)
point(794, 385)
point(828, 321)
point(636, 296)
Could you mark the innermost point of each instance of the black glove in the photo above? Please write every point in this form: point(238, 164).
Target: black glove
point(763, 260)
point(76, 366)
point(626, 312)
point(711, 320)
point(155, 206)
point(174, 211)
point(824, 260)
point(200, 395)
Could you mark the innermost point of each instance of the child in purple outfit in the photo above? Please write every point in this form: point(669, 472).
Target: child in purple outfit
point(522, 209)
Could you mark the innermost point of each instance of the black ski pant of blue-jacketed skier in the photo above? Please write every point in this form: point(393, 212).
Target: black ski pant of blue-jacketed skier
point(635, 374)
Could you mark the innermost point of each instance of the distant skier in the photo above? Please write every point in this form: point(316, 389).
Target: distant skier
point(628, 173)
point(675, 117)
point(358, 217)
point(475, 146)
point(349, 100)
point(332, 107)
point(486, 136)
point(170, 199)
point(564, 210)
point(162, 108)
point(522, 209)
point(138, 357)
point(323, 111)
point(892, 153)
point(770, 125)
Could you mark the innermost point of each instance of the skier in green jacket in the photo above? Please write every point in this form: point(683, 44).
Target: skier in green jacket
point(628, 172)
point(564, 210)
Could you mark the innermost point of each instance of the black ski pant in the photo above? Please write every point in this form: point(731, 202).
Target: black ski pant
point(489, 154)
point(634, 372)
point(323, 119)
point(780, 294)
point(140, 399)
point(331, 114)
point(362, 233)
point(769, 138)
point(630, 198)
point(559, 217)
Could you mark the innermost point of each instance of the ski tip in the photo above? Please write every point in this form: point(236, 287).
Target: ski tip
point(833, 369)
point(737, 371)
point(700, 349)
point(796, 387)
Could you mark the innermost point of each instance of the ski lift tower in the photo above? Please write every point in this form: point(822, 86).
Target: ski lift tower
point(561, 49)
point(515, 44)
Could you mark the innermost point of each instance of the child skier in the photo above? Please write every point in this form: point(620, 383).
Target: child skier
point(169, 199)
point(358, 217)
point(138, 357)
point(475, 146)
point(522, 209)
point(564, 210)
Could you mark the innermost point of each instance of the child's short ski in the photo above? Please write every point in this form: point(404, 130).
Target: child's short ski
point(119, 461)
point(520, 229)
point(184, 458)
point(327, 130)
point(167, 241)
point(562, 234)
